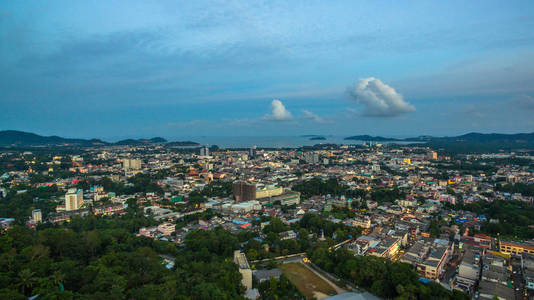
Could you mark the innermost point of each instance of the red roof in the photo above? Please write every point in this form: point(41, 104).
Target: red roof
point(482, 236)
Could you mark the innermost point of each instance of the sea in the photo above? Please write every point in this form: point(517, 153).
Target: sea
point(269, 141)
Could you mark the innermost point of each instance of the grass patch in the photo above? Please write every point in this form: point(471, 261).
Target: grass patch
point(306, 281)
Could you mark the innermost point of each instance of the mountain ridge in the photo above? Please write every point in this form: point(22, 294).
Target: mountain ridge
point(22, 138)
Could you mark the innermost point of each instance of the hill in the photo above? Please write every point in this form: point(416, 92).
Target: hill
point(370, 138)
point(134, 142)
point(20, 138)
point(470, 142)
point(16, 138)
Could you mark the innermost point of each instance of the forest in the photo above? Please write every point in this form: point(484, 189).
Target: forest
point(380, 276)
point(95, 258)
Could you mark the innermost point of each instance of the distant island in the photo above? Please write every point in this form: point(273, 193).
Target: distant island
point(370, 138)
point(156, 140)
point(467, 143)
point(470, 142)
point(182, 144)
point(14, 138)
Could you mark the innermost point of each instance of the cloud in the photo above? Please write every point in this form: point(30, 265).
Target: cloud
point(278, 112)
point(311, 116)
point(379, 99)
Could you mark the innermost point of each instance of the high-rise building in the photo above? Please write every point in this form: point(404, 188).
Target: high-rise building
point(204, 151)
point(252, 152)
point(131, 164)
point(311, 157)
point(244, 191)
point(37, 216)
point(432, 155)
point(73, 199)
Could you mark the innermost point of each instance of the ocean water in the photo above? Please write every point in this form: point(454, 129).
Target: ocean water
point(267, 141)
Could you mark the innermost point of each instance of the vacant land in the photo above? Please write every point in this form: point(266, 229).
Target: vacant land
point(309, 284)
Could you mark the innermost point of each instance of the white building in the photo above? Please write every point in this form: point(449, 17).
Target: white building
point(242, 263)
point(37, 216)
point(73, 199)
point(131, 164)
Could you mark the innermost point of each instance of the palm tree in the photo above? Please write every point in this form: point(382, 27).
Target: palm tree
point(26, 280)
point(58, 278)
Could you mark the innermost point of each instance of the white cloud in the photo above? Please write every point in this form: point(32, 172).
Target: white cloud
point(278, 112)
point(379, 99)
point(311, 116)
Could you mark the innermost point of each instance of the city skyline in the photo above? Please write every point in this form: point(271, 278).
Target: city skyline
point(141, 69)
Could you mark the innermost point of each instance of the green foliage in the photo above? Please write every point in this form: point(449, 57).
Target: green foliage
point(316, 224)
point(515, 217)
point(523, 189)
point(316, 186)
point(382, 195)
point(217, 189)
point(380, 276)
point(20, 206)
point(95, 258)
point(140, 183)
point(281, 289)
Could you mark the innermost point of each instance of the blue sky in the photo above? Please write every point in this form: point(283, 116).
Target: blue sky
point(229, 68)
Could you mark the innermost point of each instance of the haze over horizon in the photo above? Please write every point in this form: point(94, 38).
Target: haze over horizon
point(225, 68)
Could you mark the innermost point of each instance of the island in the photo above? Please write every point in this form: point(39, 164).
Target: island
point(182, 144)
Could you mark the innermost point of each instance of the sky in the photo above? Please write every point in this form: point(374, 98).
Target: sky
point(121, 69)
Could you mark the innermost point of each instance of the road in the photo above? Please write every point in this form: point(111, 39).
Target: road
point(517, 277)
point(450, 268)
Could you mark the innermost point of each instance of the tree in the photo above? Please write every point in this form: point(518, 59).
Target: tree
point(26, 281)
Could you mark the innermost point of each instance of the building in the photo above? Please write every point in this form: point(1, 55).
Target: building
point(252, 152)
point(489, 290)
point(470, 266)
point(246, 206)
point(527, 266)
point(204, 151)
point(479, 240)
point(311, 157)
point(63, 216)
point(109, 209)
point(362, 221)
point(73, 199)
point(515, 248)
point(267, 191)
point(468, 270)
point(264, 274)
point(131, 164)
point(166, 229)
point(244, 191)
point(37, 216)
point(288, 235)
point(387, 248)
point(495, 269)
point(362, 244)
point(289, 198)
point(241, 261)
point(429, 258)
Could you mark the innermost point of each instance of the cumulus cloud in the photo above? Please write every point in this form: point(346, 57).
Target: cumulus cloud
point(379, 99)
point(311, 116)
point(278, 112)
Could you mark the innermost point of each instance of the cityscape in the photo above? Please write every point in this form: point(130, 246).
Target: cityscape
point(339, 150)
point(450, 224)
